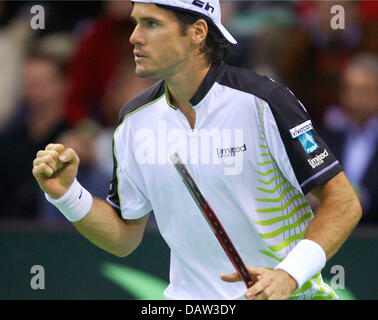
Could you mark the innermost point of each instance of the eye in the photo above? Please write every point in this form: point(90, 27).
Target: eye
point(151, 24)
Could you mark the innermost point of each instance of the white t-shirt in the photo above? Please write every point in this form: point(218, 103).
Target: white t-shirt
point(253, 152)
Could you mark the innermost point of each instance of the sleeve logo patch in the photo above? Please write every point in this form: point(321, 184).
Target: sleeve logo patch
point(318, 159)
point(308, 142)
point(301, 129)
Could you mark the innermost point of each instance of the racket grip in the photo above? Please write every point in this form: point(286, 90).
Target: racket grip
point(251, 281)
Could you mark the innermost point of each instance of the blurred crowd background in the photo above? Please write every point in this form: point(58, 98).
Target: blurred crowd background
point(66, 83)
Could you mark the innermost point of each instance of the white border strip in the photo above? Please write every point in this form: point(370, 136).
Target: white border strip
point(319, 173)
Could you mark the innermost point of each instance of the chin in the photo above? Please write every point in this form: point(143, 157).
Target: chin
point(146, 73)
point(140, 72)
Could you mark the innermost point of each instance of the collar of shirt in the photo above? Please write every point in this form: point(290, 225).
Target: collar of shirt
point(203, 89)
point(207, 83)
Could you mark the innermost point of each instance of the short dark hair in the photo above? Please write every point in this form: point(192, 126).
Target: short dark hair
point(59, 64)
point(216, 47)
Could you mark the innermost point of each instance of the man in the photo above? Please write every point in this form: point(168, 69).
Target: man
point(254, 176)
point(38, 120)
point(354, 137)
point(313, 54)
point(99, 55)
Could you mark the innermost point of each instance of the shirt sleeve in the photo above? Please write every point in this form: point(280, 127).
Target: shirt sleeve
point(127, 194)
point(294, 141)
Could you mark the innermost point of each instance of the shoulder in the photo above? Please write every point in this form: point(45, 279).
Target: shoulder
point(248, 81)
point(143, 99)
point(277, 95)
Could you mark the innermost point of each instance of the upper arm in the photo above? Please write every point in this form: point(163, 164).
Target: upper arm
point(295, 143)
point(138, 226)
point(335, 188)
point(138, 223)
point(128, 192)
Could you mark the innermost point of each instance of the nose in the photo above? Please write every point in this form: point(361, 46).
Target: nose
point(137, 37)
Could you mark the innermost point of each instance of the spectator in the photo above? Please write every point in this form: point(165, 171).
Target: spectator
point(354, 138)
point(14, 37)
point(100, 52)
point(261, 27)
point(38, 122)
point(313, 55)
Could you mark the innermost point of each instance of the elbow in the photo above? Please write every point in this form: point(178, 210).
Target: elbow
point(359, 211)
point(127, 246)
point(122, 253)
point(356, 209)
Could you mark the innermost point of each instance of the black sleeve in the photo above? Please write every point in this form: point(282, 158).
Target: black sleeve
point(113, 196)
point(311, 159)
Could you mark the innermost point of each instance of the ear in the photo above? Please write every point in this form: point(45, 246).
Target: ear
point(199, 31)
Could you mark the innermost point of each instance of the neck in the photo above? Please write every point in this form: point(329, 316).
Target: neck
point(184, 84)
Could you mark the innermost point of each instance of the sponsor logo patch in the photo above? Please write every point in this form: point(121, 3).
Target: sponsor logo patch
point(318, 159)
point(308, 142)
point(301, 129)
point(203, 5)
point(230, 152)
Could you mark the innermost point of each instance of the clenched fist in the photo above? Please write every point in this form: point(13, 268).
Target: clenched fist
point(55, 168)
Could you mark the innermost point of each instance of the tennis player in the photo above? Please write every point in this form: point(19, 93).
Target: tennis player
point(250, 145)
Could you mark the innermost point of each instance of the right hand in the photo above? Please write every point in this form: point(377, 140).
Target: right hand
point(55, 168)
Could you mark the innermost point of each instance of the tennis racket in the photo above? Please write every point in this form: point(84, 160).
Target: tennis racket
point(212, 220)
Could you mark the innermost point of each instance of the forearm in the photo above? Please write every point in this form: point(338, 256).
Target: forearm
point(336, 217)
point(55, 170)
point(338, 214)
point(104, 228)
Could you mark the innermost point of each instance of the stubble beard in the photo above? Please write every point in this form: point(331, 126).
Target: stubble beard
point(147, 73)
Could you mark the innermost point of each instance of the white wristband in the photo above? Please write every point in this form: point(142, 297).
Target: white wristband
point(304, 261)
point(75, 203)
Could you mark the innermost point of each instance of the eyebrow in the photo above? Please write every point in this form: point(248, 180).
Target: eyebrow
point(145, 18)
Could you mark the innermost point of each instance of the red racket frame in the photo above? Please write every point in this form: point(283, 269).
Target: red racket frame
point(213, 221)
